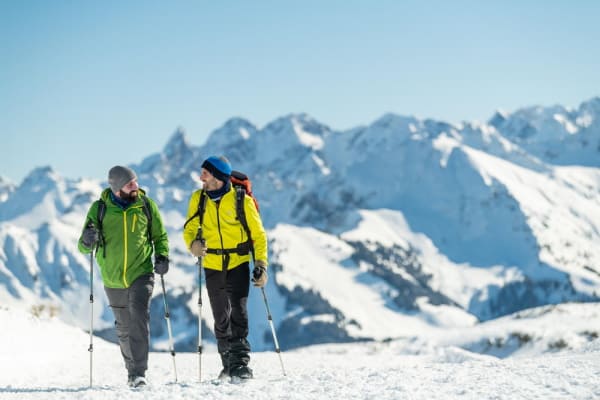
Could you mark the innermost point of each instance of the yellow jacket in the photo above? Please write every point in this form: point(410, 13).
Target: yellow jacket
point(222, 230)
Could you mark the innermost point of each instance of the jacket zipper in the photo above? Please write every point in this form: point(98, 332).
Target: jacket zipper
point(217, 204)
point(125, 248)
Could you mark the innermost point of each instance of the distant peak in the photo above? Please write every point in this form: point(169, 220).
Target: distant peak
point(301, 117)
point(237, 126)
point(5, 181)
point(179, 132)
point(296, 120)
point(300, 128)
point(43, 172)
point(395, 121)
point(232, 129)
point(179, 135)
point(499, 117)
point(595, 100)
point(237, 122)
point(592, 105)
point(177, 144)
point(41, 175)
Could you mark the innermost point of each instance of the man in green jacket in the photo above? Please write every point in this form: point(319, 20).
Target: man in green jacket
point(125, 228)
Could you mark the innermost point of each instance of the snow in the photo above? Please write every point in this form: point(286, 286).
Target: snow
point(244, 133)
point(45, 359)
point(568, 126)
point(306, 138)
point(313, 262)
point(477, 207)
point(550, 208)
point(389, 227)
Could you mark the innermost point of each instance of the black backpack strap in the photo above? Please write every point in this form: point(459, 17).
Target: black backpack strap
point(240, 194)
point(100, 217)
point(148, 213)
point(189, 219)
point(101, 213)
point(199, 212)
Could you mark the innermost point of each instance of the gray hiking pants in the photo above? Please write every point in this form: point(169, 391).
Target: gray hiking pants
point(131, 308)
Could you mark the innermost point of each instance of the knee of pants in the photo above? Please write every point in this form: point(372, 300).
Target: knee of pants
point(121, 315)
point(139, 309)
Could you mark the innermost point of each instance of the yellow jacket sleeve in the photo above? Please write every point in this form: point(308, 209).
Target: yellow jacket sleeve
point(259, 236)
point(190, 229)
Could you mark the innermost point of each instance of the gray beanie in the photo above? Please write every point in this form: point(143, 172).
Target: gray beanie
point(119, 176)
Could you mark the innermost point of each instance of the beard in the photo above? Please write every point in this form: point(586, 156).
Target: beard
point(129, 197)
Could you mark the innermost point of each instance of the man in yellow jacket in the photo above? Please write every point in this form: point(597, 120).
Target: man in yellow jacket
point(217, 235)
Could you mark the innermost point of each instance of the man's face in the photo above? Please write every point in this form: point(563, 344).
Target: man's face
point(209, 182)
point(130, 191)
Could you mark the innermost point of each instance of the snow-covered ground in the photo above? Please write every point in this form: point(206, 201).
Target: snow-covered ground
point(46, 359)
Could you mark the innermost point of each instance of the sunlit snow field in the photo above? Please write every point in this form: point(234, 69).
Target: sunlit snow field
point(46, 359)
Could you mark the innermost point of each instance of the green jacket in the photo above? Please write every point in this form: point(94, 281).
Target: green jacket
point(127, 252)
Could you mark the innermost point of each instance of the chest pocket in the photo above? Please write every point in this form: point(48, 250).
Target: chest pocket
point(229, 217)
point(138, 224)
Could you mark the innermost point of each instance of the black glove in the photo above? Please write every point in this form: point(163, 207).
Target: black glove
point(259, 274)
point(161, 264)
point(90, 236)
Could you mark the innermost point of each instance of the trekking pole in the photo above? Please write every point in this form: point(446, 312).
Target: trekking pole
point(270, 318)
point(91, 348)
point(167, 317)
point(200, 315)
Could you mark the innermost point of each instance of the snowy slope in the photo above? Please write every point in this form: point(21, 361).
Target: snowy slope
point(43, 358)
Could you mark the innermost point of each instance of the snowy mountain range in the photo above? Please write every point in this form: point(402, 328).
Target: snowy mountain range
point(395, 229)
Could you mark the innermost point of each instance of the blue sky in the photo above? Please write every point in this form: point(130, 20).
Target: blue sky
point(87, 85)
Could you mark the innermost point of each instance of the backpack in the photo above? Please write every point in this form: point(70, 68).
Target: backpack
point(102, 211)
point(243, 186)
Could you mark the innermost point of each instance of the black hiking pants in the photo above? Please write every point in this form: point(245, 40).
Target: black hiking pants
point(228, 295)
point(131, 308)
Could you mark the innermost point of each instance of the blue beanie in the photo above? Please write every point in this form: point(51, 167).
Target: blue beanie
point(219, 167)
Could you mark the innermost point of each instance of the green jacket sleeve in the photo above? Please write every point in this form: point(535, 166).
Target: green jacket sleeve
point(92, 215)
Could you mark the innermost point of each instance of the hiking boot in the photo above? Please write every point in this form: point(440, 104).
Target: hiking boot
point(241, 372)
point(224, 374)
point(136, 381)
